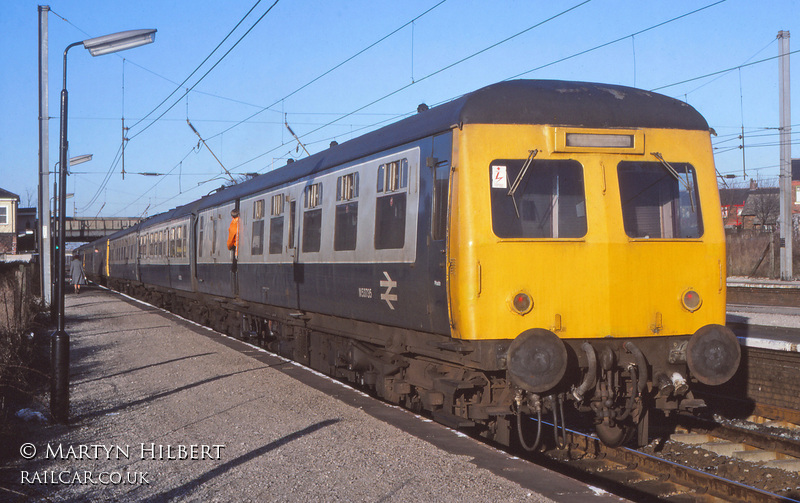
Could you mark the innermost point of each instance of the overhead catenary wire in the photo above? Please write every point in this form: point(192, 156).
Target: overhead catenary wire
point(179, 86)
point(362, 108)
point(462, 60)
point(606, 44)
point(327, 72)
point(510, 78)
point(207, 72)
point(469, 57)
point(721, 71)
point(396, 91)
point(196, 83)
point(316, 79)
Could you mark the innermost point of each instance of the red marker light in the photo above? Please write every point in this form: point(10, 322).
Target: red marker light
point(691, 300)
point(522, 303)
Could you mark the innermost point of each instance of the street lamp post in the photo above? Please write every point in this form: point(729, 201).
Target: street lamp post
point(59, 386)
point(80, 159)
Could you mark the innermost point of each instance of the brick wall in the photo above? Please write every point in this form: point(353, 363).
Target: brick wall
point(8, 243)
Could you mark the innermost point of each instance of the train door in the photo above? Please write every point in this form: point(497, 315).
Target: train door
point(235, 254)
point(297, 267)
point(291, 243)
point(440, 166)
point(137, 256)
point(193, 249)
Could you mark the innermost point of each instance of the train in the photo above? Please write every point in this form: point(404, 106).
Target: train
point(528, 253)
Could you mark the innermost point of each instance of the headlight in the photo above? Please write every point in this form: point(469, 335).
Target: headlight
point(691, 300)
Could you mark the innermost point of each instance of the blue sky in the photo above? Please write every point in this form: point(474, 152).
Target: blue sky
point(300, 40)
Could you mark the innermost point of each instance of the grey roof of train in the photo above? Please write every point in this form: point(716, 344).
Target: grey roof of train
point(554, 102)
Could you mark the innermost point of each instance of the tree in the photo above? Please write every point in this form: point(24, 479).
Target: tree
point(766, 207)
point(30, 195)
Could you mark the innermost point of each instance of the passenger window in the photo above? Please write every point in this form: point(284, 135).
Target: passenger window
point(390, 206)
point(257, 244)
point(200, 237)
point(172, 241)
point(346, 225)
point(179, 241)
point(537, 198)
point(393, 176)
point(312, 218)
point(276, 225)
point(213, 235)
point(276, 235)
point(658, 202)
point(312, 230)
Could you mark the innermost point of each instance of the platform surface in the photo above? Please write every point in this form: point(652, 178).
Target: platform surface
point(163, 409)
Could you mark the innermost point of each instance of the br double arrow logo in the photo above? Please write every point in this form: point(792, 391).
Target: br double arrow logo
point(387, 295)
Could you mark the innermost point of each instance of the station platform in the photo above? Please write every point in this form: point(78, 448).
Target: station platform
point(764, 327)
point(739, 281)
point(163, 409)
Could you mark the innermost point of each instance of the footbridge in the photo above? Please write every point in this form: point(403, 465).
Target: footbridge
point(88, 228)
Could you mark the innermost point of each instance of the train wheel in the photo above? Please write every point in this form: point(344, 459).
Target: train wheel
point(614, 436)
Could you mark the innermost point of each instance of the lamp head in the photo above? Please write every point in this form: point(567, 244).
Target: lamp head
point(119, 41)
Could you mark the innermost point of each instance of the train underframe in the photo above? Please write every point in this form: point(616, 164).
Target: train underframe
point(464, 384)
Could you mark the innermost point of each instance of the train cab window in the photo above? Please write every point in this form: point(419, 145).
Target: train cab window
point(276, 225)
point(390, 206)
point(312, 218)
point(544, 200)
point(257, 238)
point(659, 203)
point(346, 225)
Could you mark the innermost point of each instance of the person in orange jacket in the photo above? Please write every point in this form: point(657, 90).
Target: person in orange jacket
point(233, 234)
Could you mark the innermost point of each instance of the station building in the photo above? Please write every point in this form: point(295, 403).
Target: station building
point(9, 202)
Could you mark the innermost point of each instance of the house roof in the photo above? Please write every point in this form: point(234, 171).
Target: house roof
point(769, 196)
point(4, 194)
point(733, 197)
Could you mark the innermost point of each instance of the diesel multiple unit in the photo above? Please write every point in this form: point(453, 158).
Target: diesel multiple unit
point(527, 248)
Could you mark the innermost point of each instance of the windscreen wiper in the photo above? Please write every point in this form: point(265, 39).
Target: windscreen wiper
point(520, 175)
point(687, 184)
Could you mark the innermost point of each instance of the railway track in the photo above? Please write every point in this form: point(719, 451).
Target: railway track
point(778, 447)
point(650, 476)
point(643, 476)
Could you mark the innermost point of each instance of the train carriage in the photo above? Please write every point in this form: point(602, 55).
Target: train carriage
point(527, 245)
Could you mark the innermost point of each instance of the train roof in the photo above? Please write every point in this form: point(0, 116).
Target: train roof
point(584, 104)
point(553, 102)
